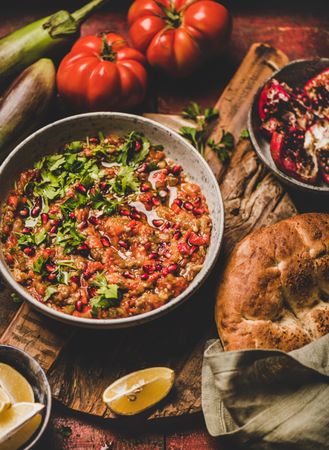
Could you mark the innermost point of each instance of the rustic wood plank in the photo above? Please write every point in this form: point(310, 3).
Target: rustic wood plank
point(39, 336)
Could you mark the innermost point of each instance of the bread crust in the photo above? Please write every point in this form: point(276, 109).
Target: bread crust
point(274, 292)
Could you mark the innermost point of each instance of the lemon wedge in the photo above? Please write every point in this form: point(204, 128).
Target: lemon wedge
point(139, 390)
point(4, 400)
point(15, 417)
point(16, 386)
point(22, 435)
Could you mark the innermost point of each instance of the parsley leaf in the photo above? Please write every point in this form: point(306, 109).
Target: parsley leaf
point(127, 152)
point(68, 236)
point(125, 181)
point(98, 201)
point(39, 265)
point(244, 134)
point(107, 294)
point(49, 292)
point(197, 135)
point(223, 147)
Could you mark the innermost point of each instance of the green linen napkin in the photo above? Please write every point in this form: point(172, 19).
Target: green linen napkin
point(268, 399)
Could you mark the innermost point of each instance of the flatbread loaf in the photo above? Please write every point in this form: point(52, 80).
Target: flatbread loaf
point(275, 289)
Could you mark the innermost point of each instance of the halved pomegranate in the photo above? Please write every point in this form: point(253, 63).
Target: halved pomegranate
point(290, 155)
point(317, 141)
point(317, 89)
point(280, 107)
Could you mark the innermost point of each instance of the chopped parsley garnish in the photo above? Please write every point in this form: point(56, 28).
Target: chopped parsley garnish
point(101, 203)
point(125, 181)
point(127, 154)
point(49, 292)
point(68, 236)
point(107, 294)
point(29, 240)
point(39, 265)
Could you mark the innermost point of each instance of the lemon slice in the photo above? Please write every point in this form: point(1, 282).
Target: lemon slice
point(15, 417)
point(4, 400)
point(16, 386)
point(139, 390)
point(22, 435)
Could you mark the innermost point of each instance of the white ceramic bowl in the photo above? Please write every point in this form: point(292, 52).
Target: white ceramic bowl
point(49, 139)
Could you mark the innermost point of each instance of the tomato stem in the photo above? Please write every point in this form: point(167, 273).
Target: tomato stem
point(107, 52)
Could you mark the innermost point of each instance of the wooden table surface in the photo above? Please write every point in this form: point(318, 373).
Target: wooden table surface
point(298, 28)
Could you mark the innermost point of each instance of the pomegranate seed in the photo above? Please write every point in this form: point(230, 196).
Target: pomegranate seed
point(26, 230)
point(92, 291)
point(128, 275)
point(83, 225)
point(24, 212)
point(35, 211)
point(197, 211)
point(188, 206)
point(194, 239)
point(93, 220)
point(135, 215)
point(172, 268)
point(197, 202)
point(44, 218)
point(124, 212)
point(158, 222)
point(75, 279)
point(52, 277)
point(178, 202)
point(158, 267)
point(138, 146)
point(50, 267)
point(123, 244)
point(81, 188)
point(155, 201)
point(72, 215)
point(55, 222)
point(145, 187)
point(144, 276)
point(103, 185)
point(153, 255)
point(194, 249)
point(177, 235)
point(142, 168)
point(53, 229)
point(83, 248)
point(79, 305)
point(176, 170)
point(94, 140)
point(105, 241)
point(183, 248)
point(148, 269)
point(86, 274)
point(29, 251)
point(165, 271)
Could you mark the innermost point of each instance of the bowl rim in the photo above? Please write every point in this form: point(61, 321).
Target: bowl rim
point(46, 416)
point(139, 318)
point(287, 179)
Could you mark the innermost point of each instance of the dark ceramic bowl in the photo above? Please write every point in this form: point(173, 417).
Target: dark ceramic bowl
point(32, 371)
point(295, 74)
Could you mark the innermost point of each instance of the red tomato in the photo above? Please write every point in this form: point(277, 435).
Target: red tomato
point(179, 35)
point(102, 73)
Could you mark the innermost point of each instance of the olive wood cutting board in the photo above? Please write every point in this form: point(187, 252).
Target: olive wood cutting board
point(91, 359)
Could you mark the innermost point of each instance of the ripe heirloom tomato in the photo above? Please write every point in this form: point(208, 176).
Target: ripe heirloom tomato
point(179, 35)
point(102, 73)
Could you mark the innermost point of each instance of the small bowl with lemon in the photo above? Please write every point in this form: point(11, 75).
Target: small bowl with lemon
point(25, 400)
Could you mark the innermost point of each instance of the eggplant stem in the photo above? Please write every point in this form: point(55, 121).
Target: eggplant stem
point(83, 12)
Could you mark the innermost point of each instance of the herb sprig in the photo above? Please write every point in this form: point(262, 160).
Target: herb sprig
point(198, 135)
